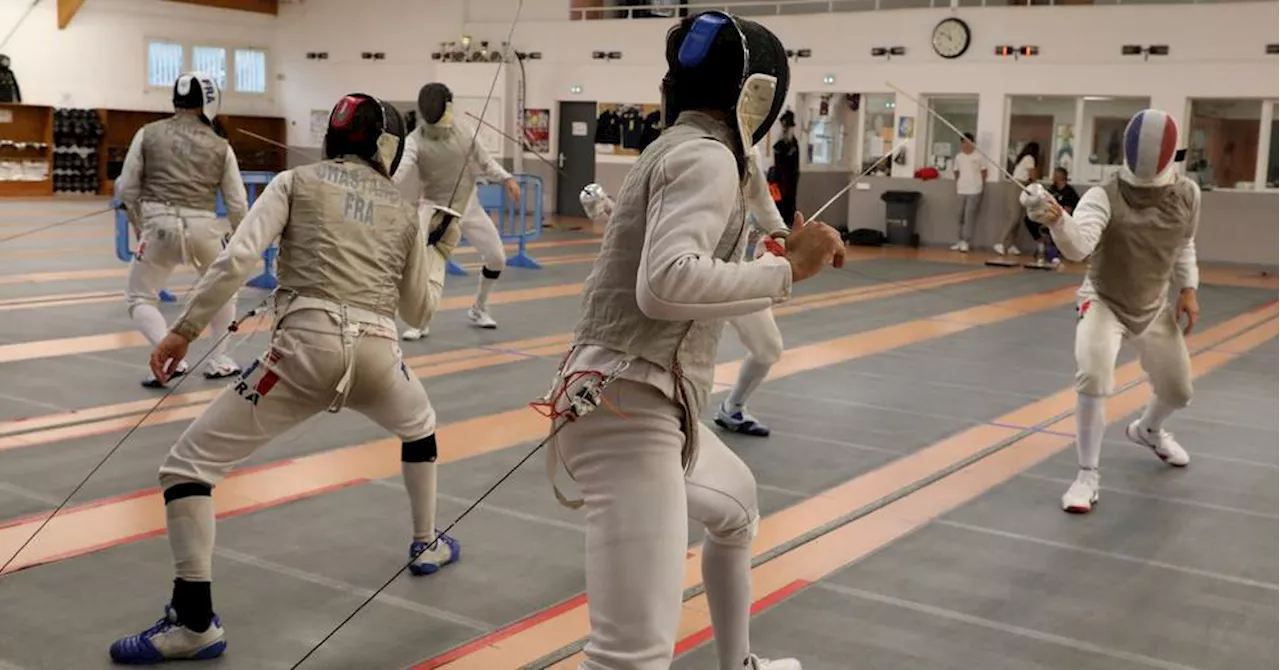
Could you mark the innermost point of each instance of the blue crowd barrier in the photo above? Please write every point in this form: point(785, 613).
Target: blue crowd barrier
point(254, 182)
point(518, 221)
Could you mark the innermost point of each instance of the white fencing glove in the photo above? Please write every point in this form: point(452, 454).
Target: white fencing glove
point(1042, 207)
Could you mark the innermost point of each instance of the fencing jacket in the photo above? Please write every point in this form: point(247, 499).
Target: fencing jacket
point(438, 155)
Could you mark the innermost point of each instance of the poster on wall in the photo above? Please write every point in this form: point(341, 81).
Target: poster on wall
point(625, 129)
point(906, 127)
point(1066, 154)
point(319, 124)
point(537, 130)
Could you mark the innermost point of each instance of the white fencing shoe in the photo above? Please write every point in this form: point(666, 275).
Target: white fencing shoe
point(1083, 494)
point(1161, 442)
point(756, 663)
point(414, 334)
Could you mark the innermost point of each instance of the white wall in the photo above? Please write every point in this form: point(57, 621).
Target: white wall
point(100, 59)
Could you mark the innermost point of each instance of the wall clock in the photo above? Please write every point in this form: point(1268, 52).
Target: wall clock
point(951, 38)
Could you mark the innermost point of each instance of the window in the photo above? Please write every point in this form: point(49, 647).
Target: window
point(1050, 123)
point(251, 71)
point(1102, 134)
point(877, 130)
point(1222, 148)
point(823, 119)
point(1273, 158)
point(165, 63)
point(942, 143)
point(211, 61)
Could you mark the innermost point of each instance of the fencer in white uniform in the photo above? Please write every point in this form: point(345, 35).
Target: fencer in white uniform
point(1138, 232)
point(168, 188)
point(758, 331)
point(447, 157)
point(669, 272)
point(352, 255)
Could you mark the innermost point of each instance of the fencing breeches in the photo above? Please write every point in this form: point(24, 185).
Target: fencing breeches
point(638, 501)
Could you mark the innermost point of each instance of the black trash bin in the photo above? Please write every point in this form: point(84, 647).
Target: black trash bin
point(900, 217)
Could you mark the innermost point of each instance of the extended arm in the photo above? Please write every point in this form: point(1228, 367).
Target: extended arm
point(408, 160)
point(759, 202)
point(1077, 234)
point(129, 184)
point(233, 195)
point(262, 225)
point(693, 191)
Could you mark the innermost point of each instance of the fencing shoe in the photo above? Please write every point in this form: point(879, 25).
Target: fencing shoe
point(414, 334)
point(220, 367)
point(739, 421)
point(152, 383)
point(1083, 494)
point(169, 640)
point(756, 663)
point(1161, 442)
point(960, 246)
point(480, 317)
point(429, 558)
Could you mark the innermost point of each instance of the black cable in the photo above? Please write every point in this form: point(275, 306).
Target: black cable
point(17, 23)
point(55, 225)
point(439, 534)
point(235, 325)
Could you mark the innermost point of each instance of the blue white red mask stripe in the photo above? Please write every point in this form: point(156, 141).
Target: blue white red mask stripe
point(1150, 143)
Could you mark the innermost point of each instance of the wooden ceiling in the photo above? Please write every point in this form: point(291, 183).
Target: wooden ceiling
point(271, 7)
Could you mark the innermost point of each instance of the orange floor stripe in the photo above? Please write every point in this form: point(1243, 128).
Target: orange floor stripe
point(79, 529)
point(838, 548)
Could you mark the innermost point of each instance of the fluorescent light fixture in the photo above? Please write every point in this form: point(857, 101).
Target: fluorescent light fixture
point(1097, 98)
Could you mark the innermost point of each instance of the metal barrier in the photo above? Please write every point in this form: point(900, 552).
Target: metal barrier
point(518, 222)
point(253, 182)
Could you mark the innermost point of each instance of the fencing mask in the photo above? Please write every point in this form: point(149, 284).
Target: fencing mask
point(718, 61)
point(362, 125)
point(196, 90)
point(1150, 148)
point(435, 104)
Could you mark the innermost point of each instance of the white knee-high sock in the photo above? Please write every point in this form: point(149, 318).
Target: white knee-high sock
point(750, 376)
point(487, 279)
point(1091, 423)
point(726, 572)
point(150, 321)
point(420, 482)
point(218, 326)
point(191, 530)
point(1154, 417)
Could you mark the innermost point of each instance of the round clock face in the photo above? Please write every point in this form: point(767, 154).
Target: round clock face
point(951, 38)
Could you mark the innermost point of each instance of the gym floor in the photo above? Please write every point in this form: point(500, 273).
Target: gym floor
point(922, 437)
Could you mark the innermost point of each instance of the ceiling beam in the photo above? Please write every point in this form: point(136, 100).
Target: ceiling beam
point(271, 7)
point(66, 11)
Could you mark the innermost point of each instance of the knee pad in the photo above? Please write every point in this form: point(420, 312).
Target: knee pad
point(770, 353)
point(491, 274)
point(419, 451)
point(741, 537)
point(1179, 396)
point(133, 301)
point(186, 489)
point(1094, 383)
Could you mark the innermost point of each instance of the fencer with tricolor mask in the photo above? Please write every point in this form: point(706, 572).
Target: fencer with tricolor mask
point(669, 273)
point(1137, 231)
point(168, 188)
point(352, 258)
point(447, 158)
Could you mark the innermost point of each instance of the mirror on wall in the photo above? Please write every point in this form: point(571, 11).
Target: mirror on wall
point(1048, 122)
point(1102, 134)
point(1223, 143)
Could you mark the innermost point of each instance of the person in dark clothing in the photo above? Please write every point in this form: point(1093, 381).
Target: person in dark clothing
point(632, 126)
point(652, 129)
point(786, 166)
point(9, 91)
point(608, 128)
point(1068, 199)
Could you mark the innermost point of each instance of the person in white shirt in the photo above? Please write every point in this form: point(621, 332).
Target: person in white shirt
point(669, 273)
point(1138, 231)
point(168, 188)
point(1025, 171)
point(971, 175)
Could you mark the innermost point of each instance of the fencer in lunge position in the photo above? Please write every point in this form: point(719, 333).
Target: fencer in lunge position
point(439, 151)
point(1138, 230)
point(668, 274)
point(168, 188)
point(757, 331)
point(352, 254)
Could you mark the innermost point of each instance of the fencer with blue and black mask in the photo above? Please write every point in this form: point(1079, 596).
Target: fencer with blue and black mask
point(668, 275)
point(1138, 231)
point(352, 256)
point(445, 155)
point(168, 188)
point(758, 331)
